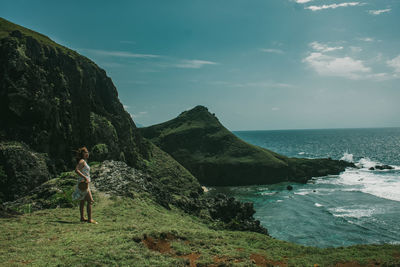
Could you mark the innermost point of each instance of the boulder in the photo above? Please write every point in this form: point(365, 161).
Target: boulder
point(21, 170)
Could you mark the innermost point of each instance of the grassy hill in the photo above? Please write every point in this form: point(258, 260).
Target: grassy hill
point(139, 232)
point(215, 156)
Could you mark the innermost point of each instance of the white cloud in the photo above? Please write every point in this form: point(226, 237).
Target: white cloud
point(367, 39)
point(270, 50)
point(333, 6)
point(395, 63)
point(194, 64)
point(323, 47)
point(355, 49)
point(346, 67)
point(123, 54)
point(303, 1)
point(138, 115)
point(378, 12)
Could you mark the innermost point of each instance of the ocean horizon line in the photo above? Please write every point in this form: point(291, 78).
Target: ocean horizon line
point(316, 129)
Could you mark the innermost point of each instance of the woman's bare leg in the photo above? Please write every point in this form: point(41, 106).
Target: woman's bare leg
point(81, 209)
point(89, 200)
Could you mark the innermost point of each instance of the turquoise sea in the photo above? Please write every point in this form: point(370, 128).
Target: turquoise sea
point(359, 206)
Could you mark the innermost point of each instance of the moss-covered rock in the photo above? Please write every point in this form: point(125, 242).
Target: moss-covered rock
point(55, 193)
point(21, 170)
point(55, 100)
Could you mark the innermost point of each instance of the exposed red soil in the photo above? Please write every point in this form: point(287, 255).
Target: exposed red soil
point(160, 245)
point(260, 260)
point(163, 245)
point(192, 258)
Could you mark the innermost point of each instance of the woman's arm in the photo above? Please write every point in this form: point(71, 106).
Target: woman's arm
point(78, 168)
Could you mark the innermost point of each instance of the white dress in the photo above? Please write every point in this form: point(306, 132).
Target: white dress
point(79, 194)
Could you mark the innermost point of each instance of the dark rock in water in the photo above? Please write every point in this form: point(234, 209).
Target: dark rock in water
point(384, 167)
point(21, 170)
point(371, 169)
point(289, 187)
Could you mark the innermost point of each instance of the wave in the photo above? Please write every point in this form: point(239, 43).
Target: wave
point(380, 184)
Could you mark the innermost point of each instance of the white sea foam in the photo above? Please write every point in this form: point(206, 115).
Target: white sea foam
point(353, 212)
point(381, 184)
point(318, 205)
point(303, 192)
point(268, 193)
point(302, 153)
point(347, 157)
point(366, 163)
point(279, 200)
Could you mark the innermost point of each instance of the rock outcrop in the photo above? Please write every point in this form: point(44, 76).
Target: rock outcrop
point(26, 169)
point(215, 156)
point(55, 100)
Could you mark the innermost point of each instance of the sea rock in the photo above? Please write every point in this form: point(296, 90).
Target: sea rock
point(289, 187)
point(384, 167)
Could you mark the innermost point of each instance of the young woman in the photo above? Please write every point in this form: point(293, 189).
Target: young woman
point(82, 192)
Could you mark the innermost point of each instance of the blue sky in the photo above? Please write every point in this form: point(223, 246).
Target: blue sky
point(258, 65)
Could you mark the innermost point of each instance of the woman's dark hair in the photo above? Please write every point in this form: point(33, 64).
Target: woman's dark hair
point(80, 152)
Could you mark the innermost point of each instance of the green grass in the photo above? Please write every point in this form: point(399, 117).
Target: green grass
point(56, 237)
point(6, 27)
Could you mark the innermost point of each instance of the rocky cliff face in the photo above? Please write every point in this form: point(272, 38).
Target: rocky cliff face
point(214, 155)
point(55, 100)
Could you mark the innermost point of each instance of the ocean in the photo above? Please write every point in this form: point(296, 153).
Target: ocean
point(358, 206)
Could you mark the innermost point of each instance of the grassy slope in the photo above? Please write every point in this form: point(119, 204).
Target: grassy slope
point(6, 27)
point(55, 237)
point(215, 156)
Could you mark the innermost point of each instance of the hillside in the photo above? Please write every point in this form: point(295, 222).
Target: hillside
point(215, 156)
point(139, 232)
point(53, 101)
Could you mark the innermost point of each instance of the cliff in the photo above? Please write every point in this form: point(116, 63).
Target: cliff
point(215, 156)
point(53, 101)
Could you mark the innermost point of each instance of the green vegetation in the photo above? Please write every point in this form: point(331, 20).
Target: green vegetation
point(170, 173)
point(215, 156)
point(128, 228)
point(7, 27)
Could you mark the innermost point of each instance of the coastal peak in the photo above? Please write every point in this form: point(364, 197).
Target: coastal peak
point(215, 156)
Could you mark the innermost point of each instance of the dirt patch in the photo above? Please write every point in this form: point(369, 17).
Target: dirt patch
point(160, 245)
point(260, 260)
point(163, 245)
point(192, 258)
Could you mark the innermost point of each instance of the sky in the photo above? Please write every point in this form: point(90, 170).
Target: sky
point(258, 65)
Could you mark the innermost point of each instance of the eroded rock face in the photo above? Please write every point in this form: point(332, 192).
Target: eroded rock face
point(117, 178)
point(21, 170)
point(55, 100)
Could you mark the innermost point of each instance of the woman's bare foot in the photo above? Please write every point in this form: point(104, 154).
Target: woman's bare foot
point(83, 219)
point(92, 221)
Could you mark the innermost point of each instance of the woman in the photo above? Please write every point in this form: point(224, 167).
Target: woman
point(83, 170)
